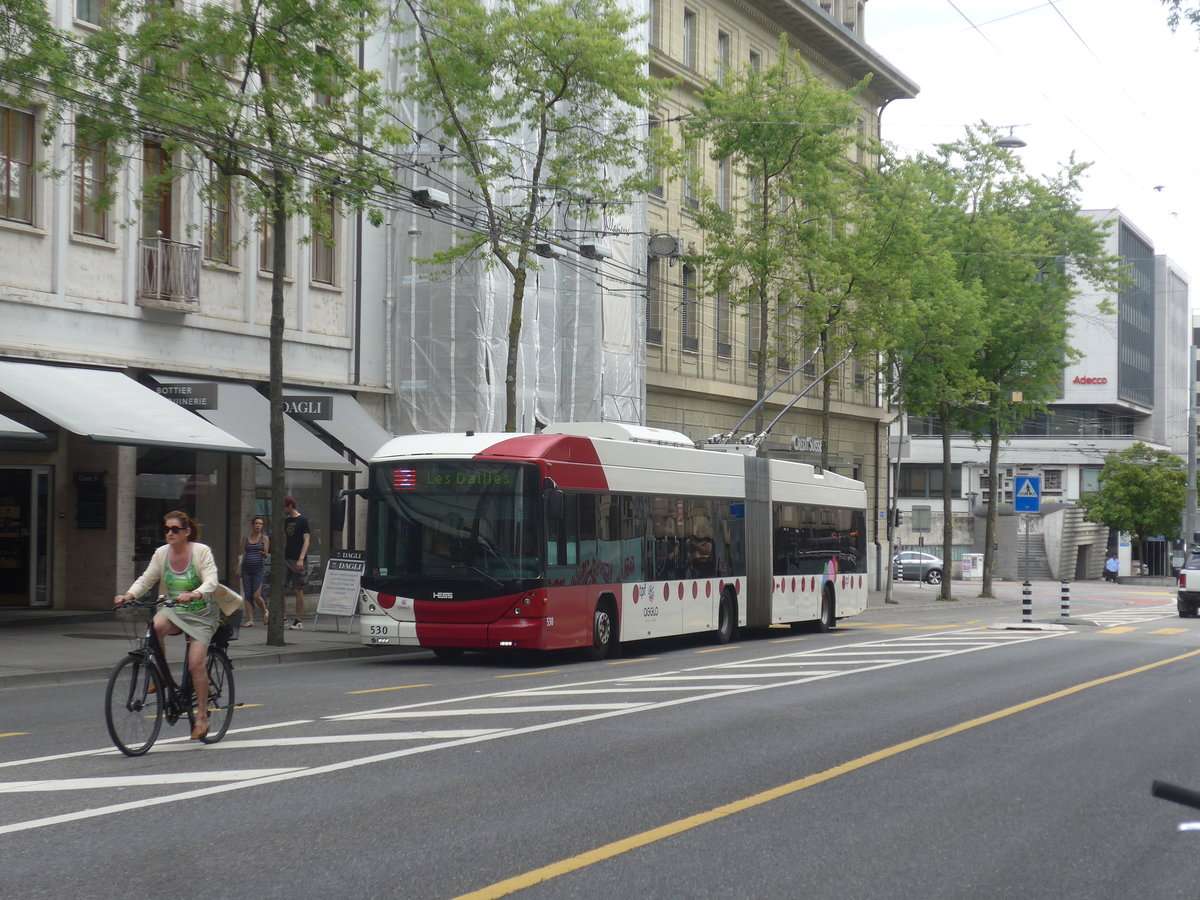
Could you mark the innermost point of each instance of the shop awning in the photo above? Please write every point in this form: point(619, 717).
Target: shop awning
point(112, 408)
point(11, 428)
point(240, 409)
point(339, 415)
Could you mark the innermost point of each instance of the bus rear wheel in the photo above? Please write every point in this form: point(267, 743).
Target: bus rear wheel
point(604, 634)
point(828, 620)
point(726, 621)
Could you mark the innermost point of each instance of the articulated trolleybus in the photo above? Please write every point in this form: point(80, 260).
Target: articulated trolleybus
point(592, 534)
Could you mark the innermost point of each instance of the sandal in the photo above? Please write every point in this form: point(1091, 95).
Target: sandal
point(250, 625)
point(199, 732)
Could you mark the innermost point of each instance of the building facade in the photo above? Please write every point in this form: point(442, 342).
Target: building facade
point(134, 359)
point(701, 373)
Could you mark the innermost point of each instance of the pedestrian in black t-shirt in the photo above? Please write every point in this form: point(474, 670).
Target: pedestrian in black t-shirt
point(295, 553)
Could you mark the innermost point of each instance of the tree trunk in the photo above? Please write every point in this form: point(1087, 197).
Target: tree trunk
point(947, 501)
point(826, 399)
point(275, 601)
point(514, 349)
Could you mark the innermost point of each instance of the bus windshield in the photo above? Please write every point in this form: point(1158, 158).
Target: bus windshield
point(434, 520)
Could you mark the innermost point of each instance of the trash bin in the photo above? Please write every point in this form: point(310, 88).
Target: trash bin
point(972, 567)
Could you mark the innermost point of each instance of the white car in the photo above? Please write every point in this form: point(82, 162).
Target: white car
point(912, 565)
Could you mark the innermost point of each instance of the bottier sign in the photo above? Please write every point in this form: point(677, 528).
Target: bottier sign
point(203, 395)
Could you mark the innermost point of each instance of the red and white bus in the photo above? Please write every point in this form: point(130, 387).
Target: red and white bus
point(591, 534)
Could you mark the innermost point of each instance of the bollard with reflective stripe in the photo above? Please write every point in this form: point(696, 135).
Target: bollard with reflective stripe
point(1027, 602)
point(1066, 599)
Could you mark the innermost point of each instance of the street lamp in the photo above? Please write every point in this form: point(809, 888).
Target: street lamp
point(1009, 141)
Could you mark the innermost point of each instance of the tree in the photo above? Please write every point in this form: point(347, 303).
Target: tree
point(1142, 492)
point(270, 94)
point(1024, 242)
point(543, 103)
point(786, 134)
point(1178, 10)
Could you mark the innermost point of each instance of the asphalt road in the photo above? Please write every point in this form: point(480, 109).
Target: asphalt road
point(910, 753)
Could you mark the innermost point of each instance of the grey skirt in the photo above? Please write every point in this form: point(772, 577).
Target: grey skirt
point(198, 624)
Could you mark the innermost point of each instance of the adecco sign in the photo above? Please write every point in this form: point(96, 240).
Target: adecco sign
point(1090, 379)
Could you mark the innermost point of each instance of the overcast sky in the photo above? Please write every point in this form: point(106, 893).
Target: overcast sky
point(1105, 79)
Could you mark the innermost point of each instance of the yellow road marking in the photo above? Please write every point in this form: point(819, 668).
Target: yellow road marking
point(399, 687)
point(671, 829)
point(623, 662)
point(14, 734)
point(787, 640)
point(1118, 629)
point(1170, 631)
point(527, 674)
point(720, 649)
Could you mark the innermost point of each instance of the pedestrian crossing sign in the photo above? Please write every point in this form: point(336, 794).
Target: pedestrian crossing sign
point(1027, 498)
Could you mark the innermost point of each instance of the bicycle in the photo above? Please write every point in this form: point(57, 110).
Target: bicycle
point(142, 692)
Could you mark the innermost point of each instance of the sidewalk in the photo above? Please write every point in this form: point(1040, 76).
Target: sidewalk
point(55, 647)
point(59, 646)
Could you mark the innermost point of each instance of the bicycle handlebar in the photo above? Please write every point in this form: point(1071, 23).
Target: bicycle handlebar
point(1176, 794)
point(147, 602)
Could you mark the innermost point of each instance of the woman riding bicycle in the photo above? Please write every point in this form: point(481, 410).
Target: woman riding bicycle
point(188, 572)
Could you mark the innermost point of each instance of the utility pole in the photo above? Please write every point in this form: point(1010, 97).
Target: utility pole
point(1189, 512)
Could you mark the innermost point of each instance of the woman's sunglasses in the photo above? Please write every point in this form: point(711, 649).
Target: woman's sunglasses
point(174, 529)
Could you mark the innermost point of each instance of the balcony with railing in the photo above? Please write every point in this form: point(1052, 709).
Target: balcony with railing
point(169, 275)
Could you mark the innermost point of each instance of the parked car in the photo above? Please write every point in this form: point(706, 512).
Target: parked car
point(1187, 595)
point(912, 565)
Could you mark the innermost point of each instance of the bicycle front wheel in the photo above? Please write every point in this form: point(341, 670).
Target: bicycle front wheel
point(220, 696)
point(133, 705)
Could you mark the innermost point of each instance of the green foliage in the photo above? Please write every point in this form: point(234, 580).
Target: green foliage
point(543, 104)
point(269, 92)
point(1178, 10)
point(784, 250)
point(1142, 491)
point(37, 66)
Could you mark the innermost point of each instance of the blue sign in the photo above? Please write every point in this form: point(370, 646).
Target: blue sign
point(1027, 498)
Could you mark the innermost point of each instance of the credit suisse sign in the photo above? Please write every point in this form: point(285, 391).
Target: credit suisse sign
point(1090, 379)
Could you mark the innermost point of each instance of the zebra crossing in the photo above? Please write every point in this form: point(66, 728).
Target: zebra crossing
point(1131, 615)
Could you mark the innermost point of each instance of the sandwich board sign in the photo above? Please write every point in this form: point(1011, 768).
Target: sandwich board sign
point(1027, 496)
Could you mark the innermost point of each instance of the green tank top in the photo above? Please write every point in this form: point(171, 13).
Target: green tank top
point(177, 584)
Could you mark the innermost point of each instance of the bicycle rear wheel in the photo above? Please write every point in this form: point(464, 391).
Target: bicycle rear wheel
point(133, 705)
point(220, 696)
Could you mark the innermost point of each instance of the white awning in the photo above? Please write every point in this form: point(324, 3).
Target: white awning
point(11, 428)
point(345, 421)
point(112, 408)
point(241, 410)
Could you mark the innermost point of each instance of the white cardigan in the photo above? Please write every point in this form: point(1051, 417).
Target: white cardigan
point(202, 556)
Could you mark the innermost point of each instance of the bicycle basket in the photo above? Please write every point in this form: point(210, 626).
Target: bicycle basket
point(133, 623)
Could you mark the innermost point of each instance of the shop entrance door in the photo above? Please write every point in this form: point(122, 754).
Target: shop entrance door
point(24, 536)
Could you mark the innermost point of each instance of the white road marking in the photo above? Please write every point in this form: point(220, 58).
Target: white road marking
point(392, 736)
point(483, 711)
point(123, 781)
point(113, 751)
point(719, 691)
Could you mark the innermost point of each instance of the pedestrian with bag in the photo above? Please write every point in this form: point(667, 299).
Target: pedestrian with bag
point(251, 568)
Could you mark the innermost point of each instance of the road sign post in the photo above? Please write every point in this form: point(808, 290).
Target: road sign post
point(1027, 499)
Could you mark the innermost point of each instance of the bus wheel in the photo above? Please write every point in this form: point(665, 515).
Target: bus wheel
point(604, 624)
point(448, 653)
point(726, 621)
point(828, 620)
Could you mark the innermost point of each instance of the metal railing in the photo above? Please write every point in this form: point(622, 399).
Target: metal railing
point(169, 270)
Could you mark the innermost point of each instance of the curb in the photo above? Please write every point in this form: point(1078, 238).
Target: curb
point(72, 676)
